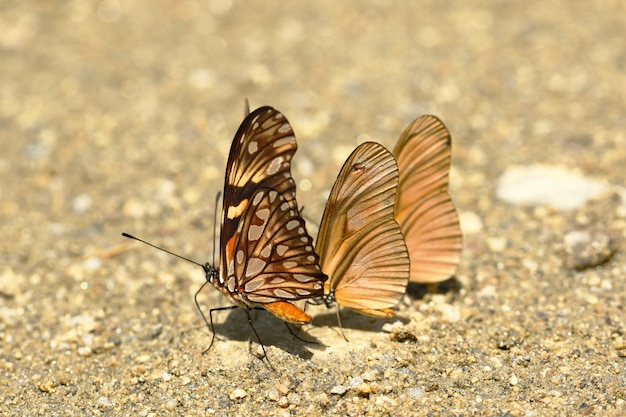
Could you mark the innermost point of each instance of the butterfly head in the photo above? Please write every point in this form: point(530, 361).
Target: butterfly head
point(329, 298)
point(211, 272)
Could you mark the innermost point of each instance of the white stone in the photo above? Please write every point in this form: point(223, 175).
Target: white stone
point(541, 185)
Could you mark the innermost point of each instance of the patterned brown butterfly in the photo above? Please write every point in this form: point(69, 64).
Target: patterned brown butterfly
point(424, 209)
point(360, 244)
point(267, 258)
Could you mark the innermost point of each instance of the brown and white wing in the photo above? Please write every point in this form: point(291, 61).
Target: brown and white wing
point(360, 244)
point(260, 156)
point(424, 209)
point(274, 259)
point(267, 256)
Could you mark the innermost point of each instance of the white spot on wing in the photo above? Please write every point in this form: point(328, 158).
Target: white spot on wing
point(253, 147)
point(302, 278)
point(283, 294)
point(285, 128)
point(281, 249)
point(253, 285)
point(274, 165)
point(267, 251)
point(293, 224)
point(231, 283)
point(257, 198)
point(255, 266)
point(263, 214)
point(289, 264)
point(255, 232)
point(239, 256)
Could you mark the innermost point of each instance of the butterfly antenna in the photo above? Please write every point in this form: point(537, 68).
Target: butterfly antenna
point(217, 199)
point(246, 108)
point(164, 250)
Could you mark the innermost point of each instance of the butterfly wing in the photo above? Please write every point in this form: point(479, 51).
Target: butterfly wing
point(267, 256)
point(361, 246)
point(274, 257)
point(424, 209)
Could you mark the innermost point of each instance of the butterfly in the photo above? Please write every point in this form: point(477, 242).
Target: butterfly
point(360, 244)
point(267, 259)
point(424, 209)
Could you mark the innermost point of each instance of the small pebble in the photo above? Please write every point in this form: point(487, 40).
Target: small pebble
point(237, 394)
point(171, 404)
point(470, 222)
point(323, 399)
point(339, 390)
point(272, 394)
point(103, 402)
point(81, 203)
point(370, 376)
point(84, 351)
point(294, 398)
point(364, 389)
point(47, 385)
point(496, 244)
point(417, 392)
point(283, 401)
point(587, 249)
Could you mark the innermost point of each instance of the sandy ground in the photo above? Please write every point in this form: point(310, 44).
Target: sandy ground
point(118, 116)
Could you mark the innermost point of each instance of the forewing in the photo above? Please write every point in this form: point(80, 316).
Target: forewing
point(360, 244)
point(260, 157)
point(424, 209)
point(274, 259)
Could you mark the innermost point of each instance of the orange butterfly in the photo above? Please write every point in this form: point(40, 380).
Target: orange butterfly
point(360, 244)
point(424, 209)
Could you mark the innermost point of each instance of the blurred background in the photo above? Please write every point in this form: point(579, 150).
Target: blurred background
point(118, 116)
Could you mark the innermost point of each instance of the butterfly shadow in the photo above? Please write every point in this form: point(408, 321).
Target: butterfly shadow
point(353, 320)
point(271, 330)
point(418, 291)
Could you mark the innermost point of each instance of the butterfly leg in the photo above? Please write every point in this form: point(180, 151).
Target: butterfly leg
point(249, 313)
point(195, 299)
point(209, 323)
point(295, 334)
point(340, 326)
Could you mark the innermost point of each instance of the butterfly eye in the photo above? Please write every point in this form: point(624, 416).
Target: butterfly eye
point(361, 246)
point(424, 209)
